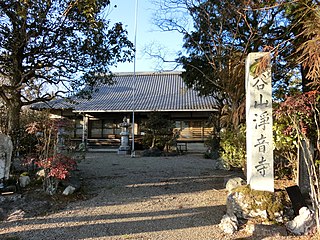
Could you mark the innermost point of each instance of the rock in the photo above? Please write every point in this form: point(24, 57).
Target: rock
point(41, 173)
point(258, 213)
point(233, 183)
point(229, 223)
point(24, 181)
point(302, 224)
point(246, 203)
point(261, 231)
point(69, 190)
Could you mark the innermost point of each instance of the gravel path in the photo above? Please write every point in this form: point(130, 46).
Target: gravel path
point(137, 198)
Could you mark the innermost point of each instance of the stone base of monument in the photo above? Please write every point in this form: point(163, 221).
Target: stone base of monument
point(244, 204)
point(263, 231)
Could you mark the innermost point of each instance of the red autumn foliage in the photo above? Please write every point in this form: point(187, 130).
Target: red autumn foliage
point(57, 166)
point(302, 108)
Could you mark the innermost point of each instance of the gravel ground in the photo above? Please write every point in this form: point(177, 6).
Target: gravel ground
point(142, 198)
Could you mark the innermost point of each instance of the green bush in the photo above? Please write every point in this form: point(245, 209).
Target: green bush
point(285, 152)
point(158, 131)
point(28, 143)
point(233, 146)
point(233, 149)
point(213, 147)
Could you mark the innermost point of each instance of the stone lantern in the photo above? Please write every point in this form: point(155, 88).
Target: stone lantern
point(124, 147)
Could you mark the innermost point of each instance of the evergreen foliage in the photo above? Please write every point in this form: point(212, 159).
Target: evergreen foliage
point(50, 48)
point(158, 131)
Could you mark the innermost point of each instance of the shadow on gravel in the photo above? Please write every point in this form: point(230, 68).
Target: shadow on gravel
point(113, 180)
point(119, 224)
point(128, 178)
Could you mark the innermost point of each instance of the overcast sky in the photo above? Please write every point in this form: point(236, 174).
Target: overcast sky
point(148, 36)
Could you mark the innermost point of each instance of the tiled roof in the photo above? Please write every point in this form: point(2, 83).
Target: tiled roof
point(146, 92)
point(54, 104)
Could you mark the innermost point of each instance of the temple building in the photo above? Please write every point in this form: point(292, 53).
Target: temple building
point(97, 120)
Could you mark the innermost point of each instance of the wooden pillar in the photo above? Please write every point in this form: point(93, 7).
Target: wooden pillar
point(85, 130)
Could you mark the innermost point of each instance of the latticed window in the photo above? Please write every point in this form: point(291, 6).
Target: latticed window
point(104, 129)
point(95, 127)
point(192, 130)
point(78, 128)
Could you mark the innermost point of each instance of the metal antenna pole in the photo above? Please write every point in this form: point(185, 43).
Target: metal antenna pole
point(133, 154)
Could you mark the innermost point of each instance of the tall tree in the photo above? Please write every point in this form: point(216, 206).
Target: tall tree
point(223, 33)
point(55, 47)
point(303, 110)
point(305, 25)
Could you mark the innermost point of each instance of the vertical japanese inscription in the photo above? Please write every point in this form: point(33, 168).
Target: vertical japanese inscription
point(259, 125)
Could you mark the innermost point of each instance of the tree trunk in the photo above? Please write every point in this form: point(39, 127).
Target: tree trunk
point(305, 81)
point(153, 141)
point(14, 108)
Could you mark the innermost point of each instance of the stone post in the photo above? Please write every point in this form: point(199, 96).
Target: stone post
point(260, 174)
point(303, 178)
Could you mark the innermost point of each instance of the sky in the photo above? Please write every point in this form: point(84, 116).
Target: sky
point(148, 36)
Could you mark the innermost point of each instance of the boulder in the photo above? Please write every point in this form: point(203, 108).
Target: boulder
point(233, 183)
point(24, 181)
point(263, 231)
point(69, 190)
point(246, 203)
point(229, 223)
point(303, 224)
point(41, 173)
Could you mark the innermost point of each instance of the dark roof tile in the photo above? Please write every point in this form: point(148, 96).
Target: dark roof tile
point(146, 92)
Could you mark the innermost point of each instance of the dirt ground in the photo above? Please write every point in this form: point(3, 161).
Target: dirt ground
point(178, 197)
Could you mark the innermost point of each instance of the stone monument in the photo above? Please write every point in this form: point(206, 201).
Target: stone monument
point(124, 147)
point(6, 148)
point(305, 155)
point(260, 174)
